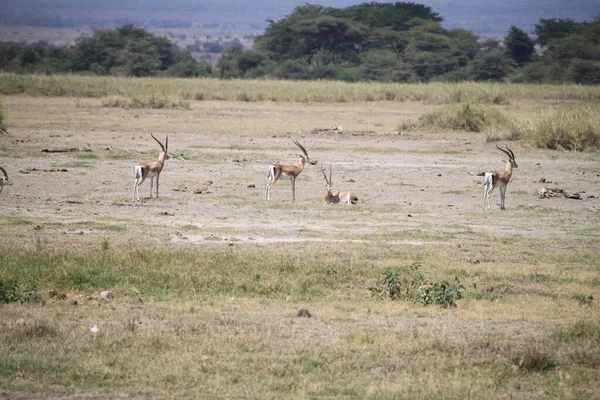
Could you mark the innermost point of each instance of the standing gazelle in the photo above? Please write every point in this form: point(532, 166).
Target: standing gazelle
point(288, 172)
point(4, 179)
point(337, 196)
point(150, 169)
point(499, 178)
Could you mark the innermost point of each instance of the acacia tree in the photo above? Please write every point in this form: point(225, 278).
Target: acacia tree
point(551, 29)
point(519, 46)
point(126, 50)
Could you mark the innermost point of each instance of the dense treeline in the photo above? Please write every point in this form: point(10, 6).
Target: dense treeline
point(385, 42)
point(124, 51)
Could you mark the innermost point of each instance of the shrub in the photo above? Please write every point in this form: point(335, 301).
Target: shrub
point(400, 283)
point(12, 292)
point(441, 293)
point(463, 117)
point(408, 283)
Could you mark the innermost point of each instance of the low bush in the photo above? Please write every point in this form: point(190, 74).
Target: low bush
point(462, 117)
point(441, 293)
point(408, 283)
point(399, 283)
point(12, 292)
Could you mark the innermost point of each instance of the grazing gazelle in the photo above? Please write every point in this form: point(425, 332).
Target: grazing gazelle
point(288, 172)
point(4, 179)
point(499, 178)
point(150, 169)
point(337, 197)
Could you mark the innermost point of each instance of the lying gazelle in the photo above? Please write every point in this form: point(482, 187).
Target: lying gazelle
point(337, 197)
point(288, 172)
point(150, 169)
point(4, 179)
point(499, 178)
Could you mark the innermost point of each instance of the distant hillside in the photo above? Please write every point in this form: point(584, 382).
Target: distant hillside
point(483, 17)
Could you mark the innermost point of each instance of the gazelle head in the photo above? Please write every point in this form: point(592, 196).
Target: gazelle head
point(304, 156)
point(165, 147)
point(5, 180)
point(327, 183)
point(511, 156)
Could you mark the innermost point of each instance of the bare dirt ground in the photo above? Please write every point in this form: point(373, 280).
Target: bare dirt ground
point(215, 179)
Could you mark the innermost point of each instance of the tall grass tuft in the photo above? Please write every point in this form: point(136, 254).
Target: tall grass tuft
point(568, 128)
point(461, 117)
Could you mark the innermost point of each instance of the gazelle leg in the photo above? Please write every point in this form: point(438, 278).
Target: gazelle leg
point(293, 189)
point(136, 188)
point(269, 184)
point(157, 176)
point(486, 197)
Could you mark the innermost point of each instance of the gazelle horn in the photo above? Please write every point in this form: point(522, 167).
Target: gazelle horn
point(161, 145)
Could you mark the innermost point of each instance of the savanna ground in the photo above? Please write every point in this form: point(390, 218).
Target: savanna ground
point(207, 281)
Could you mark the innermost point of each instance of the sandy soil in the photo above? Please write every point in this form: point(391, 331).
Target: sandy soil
point(213, 186)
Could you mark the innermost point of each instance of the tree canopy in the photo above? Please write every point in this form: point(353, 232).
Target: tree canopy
point(386, 42)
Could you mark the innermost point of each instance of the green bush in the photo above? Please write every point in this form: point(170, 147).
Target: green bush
point(12, 292)
point(399, 283)
point(408, 283)
point(441, 293)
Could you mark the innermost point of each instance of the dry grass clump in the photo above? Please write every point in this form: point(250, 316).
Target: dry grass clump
point(566, 128)
point(461, 117)
point(575, 128)
point(153, 101)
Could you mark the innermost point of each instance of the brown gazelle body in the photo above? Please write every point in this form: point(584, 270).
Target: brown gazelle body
point(335, 197)
point(150, 169)
point(288, 172)
point(4, 179)
point(499, 179)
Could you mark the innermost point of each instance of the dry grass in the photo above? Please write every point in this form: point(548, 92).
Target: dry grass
point(206, 297)
point(289, 91)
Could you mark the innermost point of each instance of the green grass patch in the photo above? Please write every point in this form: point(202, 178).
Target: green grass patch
point(168, 274)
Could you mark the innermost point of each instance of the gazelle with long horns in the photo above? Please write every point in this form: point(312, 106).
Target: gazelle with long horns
point(337, 196)
point(150, 169)
point(499, 179)
point(288, 172)
point(4, 179)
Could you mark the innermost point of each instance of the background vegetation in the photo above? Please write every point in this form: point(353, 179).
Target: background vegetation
point(387, 42)
point(571, 124)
